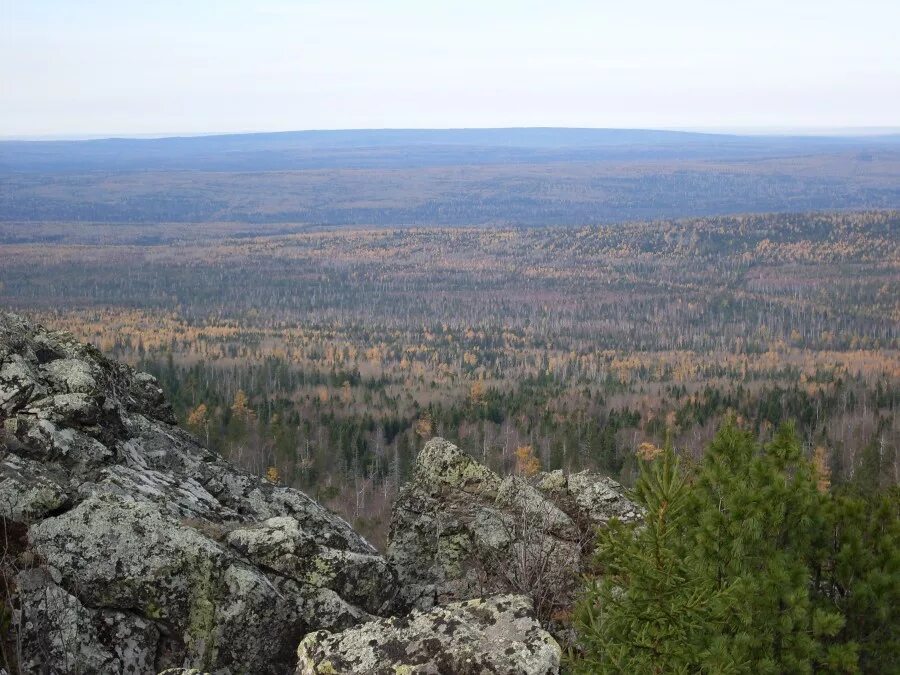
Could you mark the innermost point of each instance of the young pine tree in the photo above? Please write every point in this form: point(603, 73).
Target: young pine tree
point(648, 609)
point(725, 574)
point(860, 574)
point(756, 521)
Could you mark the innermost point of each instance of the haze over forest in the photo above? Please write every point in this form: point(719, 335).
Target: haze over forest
point(519, 177)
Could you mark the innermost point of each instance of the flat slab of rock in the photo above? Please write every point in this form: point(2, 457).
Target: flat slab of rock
point(494, 635)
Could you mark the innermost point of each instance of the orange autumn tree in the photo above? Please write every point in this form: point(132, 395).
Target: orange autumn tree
point(241, 406)
point(424, 426)
point(648, 452)
point(198, 417)
point(527, 464)
point(476, 392)
point(273, 475)
point(198, 420)
point(821, 470)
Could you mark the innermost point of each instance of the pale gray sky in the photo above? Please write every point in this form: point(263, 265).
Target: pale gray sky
point(85, 67)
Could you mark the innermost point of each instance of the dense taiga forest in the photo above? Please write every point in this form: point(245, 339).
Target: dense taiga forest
point(323, 357)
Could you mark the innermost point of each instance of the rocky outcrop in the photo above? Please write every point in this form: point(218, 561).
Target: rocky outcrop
point(460, 531)
point(144, 550)
point(495, 635)
point(128, 547)
point(485, 561)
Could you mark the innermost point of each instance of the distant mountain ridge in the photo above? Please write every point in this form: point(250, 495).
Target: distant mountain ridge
point(363, 148)
point(445, 177)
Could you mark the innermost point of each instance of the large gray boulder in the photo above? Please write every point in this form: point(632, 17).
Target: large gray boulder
point(138, 549)
point(494, 635)
point(460, 531)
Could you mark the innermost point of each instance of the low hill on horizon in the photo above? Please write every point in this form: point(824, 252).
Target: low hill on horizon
point(361, 148)
point(391, 177)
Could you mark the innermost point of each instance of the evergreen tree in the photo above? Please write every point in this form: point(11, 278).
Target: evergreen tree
point(860, 574)
point(647, 609)
point(754, 525)
point(745, 565)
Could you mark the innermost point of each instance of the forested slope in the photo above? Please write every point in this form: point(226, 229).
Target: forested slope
point(324, 357)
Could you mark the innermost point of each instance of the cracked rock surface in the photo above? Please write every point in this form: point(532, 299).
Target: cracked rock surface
point(137, 548)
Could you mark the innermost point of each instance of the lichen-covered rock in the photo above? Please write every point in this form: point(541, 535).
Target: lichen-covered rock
point(28, 492)
point(144, 549)
point(459, 531)
point(494, 635)
point(441, 466)
point(132, 548)
point(58, 630)
point(280, 544)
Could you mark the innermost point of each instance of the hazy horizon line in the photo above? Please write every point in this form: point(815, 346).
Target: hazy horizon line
point(847, 131)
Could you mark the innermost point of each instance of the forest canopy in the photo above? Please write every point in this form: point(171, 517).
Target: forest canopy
point(324, 357)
